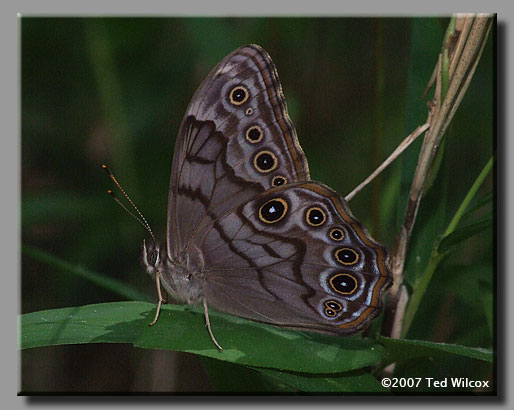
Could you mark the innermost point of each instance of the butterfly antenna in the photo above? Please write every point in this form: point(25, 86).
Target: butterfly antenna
point(141, 219)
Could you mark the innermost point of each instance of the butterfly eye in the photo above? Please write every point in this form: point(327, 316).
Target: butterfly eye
point(238, 95)
point(152, 257)
point(278, 180)
point(346, 256)
point(336, 234)
point(254, 134)
point(265, 161)
point(343, 283)
point(315, 216)
point(273, 210)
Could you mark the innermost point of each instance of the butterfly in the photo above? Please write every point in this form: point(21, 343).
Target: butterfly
point(248, 232)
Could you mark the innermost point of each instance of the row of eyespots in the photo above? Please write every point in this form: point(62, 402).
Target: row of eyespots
point(275, 209)
point(315, 216)
point(264, 161)
point(343, 283)
point(238, 96)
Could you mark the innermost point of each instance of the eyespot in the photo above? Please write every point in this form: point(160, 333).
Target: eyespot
point(273, 210)
point(336, 234)
point(249, 111)
point(330, 312)
point(265, 161)
point(278, 180)
point(254, 134)
point(346, 256)
point(315, 216)
point(343, 283)
point(334, 305)
point(238, 95)
point(330, 308)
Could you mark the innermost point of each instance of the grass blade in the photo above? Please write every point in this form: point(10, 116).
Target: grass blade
point(103, 281)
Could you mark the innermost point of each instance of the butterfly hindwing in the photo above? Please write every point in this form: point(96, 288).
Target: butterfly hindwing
point(295, 256)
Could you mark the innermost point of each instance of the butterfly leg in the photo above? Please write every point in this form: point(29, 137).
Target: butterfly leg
point(208, 325)
point(161, 299)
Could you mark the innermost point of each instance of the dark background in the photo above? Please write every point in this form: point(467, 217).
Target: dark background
point(114, 90)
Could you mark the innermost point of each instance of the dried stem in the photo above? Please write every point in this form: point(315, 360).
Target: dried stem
point(471, 33)
point(395, 154)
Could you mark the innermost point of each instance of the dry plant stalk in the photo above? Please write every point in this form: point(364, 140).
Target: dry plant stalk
point(395, 154)
point(463, 48)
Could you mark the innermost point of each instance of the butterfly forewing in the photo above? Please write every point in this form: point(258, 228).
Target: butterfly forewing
point(236, 140)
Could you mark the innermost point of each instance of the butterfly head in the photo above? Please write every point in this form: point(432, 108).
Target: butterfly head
point(180, 280)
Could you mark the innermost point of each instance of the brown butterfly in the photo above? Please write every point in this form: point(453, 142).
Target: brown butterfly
point(248, 232)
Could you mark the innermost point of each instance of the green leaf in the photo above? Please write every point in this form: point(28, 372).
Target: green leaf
point(469, 197)
point(466, 232)
point(422, 282)
point(484, 200)
point(234, 378)
point(358, 382)
point(403, 349)
point(182, 328)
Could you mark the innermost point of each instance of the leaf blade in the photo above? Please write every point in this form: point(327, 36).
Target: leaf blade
point(362, 382)
point(403, 349)
point(98, 279)
point(462, 234)
point(182, 328)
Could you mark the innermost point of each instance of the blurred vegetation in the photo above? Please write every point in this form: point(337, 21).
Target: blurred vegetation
point(114, 90)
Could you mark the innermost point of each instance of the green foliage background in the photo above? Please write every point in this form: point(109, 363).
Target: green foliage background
point(113, 90)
